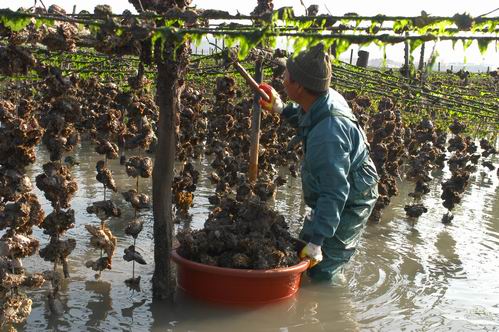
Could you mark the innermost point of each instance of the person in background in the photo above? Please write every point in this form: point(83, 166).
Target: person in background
point(339, 179)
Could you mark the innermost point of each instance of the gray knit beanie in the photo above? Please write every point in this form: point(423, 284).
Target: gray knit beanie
point(311, 69)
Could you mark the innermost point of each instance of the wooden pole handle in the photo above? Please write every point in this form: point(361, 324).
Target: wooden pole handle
point(251, 81)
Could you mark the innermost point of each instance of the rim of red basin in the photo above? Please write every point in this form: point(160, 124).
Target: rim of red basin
point(246, 273)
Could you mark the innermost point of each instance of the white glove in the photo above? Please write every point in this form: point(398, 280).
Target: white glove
point(312, 251)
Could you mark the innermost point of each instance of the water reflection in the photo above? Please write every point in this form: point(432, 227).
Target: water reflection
point(55, 307)
point(406, 275)
point(447, 262)
point(310, 312)
point(128, 312)
point(100, 303)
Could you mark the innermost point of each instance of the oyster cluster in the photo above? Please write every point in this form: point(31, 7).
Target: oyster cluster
point(110, 115)
point(57, 252)
point(487, 151)
point(58, 222)
point(140, 128)
point(241, 231)
point(184, 186)
point(61, 37)
point(105, 176)
point(101, 236)
point(278, 67)
point(20, 215)
point(129, 41)
point(426, 151)
point(13, 184)
point(228, 139)
point(59, 186)
point(57, 183)
point(132, 255)
point(19, 135)
point(106, 127)
point(109, 149)
point(263, 7)
point(139, 201)
point(104, 209)
point(193, 125)
point(15, 60)
point(139, 167)
point(461, 165)
point(415, 210)
point(60, 113)
point(20, 210)
point(61, 135)
point(385, 132)
point(242, 235)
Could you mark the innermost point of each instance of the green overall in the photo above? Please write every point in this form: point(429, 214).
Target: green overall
point(339, 180)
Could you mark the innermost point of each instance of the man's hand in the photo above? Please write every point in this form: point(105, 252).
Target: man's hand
point(313, 252)
point(275, 104)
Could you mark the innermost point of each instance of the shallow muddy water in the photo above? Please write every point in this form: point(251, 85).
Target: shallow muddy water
point(412, 276)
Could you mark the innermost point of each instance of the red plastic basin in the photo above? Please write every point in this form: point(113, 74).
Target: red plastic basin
point(237, 286)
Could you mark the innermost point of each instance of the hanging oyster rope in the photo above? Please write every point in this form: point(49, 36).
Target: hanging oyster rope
point(136, 167)
point(19, 212)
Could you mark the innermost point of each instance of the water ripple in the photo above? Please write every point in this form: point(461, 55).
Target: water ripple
point(406, 275)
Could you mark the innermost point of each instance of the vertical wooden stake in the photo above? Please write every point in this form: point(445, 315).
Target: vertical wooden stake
point(421, 57)
point(255, 126)
point(406, 58)
point(351, 56)
point(171, 61)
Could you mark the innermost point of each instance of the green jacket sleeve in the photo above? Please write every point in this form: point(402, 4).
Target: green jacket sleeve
point(330, 163)
point(291, 114)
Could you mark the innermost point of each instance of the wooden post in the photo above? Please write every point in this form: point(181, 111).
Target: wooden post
point(406, 58)
point(439, 66)
point(171, 61)
point(255, 125)
point(351, 56)
point(452, 68)
point(363, 59)
point(74, 9)
point(421, 58)
point(423, 74)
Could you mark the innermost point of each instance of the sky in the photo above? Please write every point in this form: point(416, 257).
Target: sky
point(447, 54)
